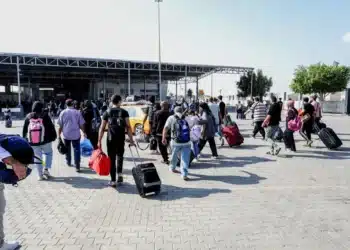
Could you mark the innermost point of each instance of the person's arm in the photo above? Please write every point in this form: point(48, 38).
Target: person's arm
point(19, 168)
point(128, 127)
point(203, 120)
point(25, 128)
point(166, 128)
point(82, 124)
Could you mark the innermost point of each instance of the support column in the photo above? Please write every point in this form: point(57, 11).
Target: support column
point(104, 88)
point(129, 80)
point(144, 88)
point(197, 90)
point(19, 81)
point(211, 85)
point(176, 90)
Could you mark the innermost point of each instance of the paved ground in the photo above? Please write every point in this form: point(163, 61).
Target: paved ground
point(246, 200)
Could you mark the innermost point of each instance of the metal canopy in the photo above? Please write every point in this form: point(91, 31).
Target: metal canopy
point(41, 66)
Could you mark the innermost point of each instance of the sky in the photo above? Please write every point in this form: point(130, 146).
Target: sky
point(273, 35)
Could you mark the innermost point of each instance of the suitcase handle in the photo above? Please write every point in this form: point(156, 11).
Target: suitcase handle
point(132, 155)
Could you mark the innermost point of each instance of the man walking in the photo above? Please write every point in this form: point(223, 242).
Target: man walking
point(118, 123)
point(180, 141)
point(159, 121)
point(70, 123)
point(259, 111)
point(272, 122)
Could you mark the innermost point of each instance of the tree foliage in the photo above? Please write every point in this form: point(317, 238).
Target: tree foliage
point(261, 84)
point(320, 79)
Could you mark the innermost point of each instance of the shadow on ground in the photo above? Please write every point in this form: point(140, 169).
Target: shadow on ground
point(340, 154)
point(169, 192)
point(227, 162)
point(82, 182)
point(251, 179)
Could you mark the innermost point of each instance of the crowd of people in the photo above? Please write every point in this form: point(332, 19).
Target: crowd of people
point(186, 128)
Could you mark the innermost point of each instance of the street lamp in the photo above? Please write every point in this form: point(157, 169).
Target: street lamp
point(159, 51)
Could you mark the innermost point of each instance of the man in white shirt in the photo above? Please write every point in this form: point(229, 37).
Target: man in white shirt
point(20, 170)
point(214, 108)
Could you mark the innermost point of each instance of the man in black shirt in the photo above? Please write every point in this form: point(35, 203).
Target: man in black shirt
point(308, 121)
point(159, 121)
point(118, 122)
point(272, 122)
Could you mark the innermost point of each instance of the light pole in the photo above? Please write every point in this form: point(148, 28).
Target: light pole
point(159, 51)
point(251, 85)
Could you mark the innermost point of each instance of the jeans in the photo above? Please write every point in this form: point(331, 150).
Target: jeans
point(163, 149)
point(45, 150)
point(76, 149)
point(2, 212)
point(115, 151)
point(258, 128)
point(212, 145)
point(185, 152)
point(270, 135)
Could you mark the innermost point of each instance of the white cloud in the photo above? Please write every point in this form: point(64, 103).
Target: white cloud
point(346, 37)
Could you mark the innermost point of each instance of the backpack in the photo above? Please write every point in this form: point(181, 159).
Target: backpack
point(116, 124)
point(295, 124)
point(181, 130)
point(36, 131)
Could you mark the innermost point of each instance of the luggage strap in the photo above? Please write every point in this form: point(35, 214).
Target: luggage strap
point(132, 155)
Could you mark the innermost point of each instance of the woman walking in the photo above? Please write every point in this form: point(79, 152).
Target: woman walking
point(92, 122)
point(208, 129)
point(288, 135)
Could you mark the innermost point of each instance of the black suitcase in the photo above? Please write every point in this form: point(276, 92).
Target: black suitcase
point(153, 144)
point(329, 138)
point(146, 177)
point(8, 123)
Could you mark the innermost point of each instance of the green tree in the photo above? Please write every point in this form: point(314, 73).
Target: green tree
point(320, 79)
point(261, 84)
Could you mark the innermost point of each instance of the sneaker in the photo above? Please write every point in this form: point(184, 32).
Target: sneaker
point(166, 162)
point(222, 142)
point(310, 143)
point(270, 153)
point(112, 184)
point(40, 178)
point(47, 174)
point(214, 157)
point(185, 178)
point(173, 171)
point(195, 160)
point(277, 151)
point(120, 179)
point(77, 170)
point(252, 136)
point(10, 245)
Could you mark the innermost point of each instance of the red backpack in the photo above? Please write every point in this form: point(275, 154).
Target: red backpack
point(100, 162)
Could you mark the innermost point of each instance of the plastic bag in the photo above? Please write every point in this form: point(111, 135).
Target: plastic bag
point(86, 148)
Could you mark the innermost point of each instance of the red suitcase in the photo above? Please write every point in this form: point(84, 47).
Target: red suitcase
point(232, 135)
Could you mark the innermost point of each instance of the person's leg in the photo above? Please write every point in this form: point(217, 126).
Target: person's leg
point(2, 212)
point(256, 129)
point(302, 132)
point(120, 160)
point(212, 145)
point(201, 144)
point(112, 154)
point(185, 160)
point(262, 130)
point(174, 159)
point(47, 151)
point(308, 131)
point(163, 149)
point(39, 167)
point(67, 143)
point(76, 149)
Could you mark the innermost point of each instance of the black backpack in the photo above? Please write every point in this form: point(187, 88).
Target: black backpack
point(116, 123)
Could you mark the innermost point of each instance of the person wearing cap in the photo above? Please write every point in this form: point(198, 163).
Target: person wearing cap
point(20, 170)
point(70, 123)
point(184, 149)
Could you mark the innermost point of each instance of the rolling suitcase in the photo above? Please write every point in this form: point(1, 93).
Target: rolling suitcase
point(8, 123)
point(232, 135)
point(329, 138)
point(146, 177)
